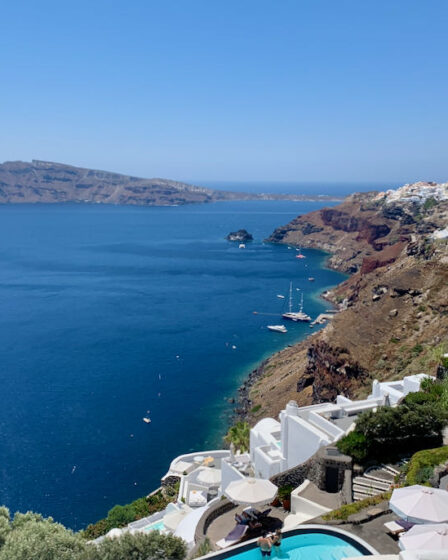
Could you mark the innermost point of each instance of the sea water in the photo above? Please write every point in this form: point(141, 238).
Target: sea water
point(109, 314)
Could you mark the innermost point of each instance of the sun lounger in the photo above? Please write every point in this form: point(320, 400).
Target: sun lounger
point(394, 528)
point(235, 535)
point(264, 513)
point(405, 524)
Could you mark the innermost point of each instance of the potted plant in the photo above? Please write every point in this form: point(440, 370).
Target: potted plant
point(284, 495)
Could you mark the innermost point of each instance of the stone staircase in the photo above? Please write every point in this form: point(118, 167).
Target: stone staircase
point(374, 481)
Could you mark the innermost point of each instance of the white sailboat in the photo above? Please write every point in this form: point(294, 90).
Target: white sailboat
point(295, 315)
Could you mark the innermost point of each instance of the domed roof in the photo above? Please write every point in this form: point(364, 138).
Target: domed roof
point(267, 425)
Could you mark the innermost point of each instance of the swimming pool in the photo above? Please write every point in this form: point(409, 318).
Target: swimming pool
point(158, 526)
point(306, 543)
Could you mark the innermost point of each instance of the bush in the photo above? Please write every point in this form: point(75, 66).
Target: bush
point(284, 492)
point(31, 536)
point(344, 512)
point(119, 516)
point(355, 445)
point(419, 398)
point(424, 459)
point(385, 434)
point(151, 546)
point(424, 474)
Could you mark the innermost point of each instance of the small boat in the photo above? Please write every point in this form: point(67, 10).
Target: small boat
point(311, 279)
point(277, 328)
point(241, 246)
point(147, 420)
point(300, 256)
point(280, 296)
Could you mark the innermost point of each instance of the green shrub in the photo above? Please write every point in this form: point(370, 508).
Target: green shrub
point(424, 474)
point(255, 409)
point(355, 445)
point(429, 203)
point(284, 492)
point(344, 512)
point(119, 516)
point(387, 432)
point(204, 548)
point(419, 398)
point(150, 546)
point(423, 459)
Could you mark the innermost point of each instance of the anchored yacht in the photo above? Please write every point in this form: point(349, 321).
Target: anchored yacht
point(295, 315)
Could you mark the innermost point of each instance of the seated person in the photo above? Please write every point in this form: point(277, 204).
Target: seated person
point(248, 520)
point(277, 537)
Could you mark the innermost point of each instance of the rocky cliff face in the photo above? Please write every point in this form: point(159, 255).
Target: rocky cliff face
point(394, 307)
point(361, 227)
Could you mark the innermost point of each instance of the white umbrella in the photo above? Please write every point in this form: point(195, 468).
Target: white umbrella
point(420, 504)
point(251, 491)
point(425, 537)
point(209, 477)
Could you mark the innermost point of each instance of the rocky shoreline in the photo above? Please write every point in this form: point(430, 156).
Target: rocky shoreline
point(243, 402)
point(394, 311)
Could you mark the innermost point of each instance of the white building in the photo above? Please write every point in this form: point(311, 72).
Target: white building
point(276, 446)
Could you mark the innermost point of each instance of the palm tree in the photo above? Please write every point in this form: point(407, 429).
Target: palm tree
point(239, 434)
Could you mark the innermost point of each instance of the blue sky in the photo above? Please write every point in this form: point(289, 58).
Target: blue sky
point(305, 90)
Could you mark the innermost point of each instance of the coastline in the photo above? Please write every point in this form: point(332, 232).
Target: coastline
point(243, 402)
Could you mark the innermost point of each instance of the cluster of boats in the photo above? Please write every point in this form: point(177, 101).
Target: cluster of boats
point(291, 315)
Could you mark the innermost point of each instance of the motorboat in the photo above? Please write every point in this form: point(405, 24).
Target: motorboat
point(278, 328)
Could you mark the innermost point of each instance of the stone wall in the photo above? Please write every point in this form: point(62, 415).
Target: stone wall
point(316, 470)
point(212, 513)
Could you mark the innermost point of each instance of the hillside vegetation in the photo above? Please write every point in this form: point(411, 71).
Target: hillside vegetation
point(394, 307)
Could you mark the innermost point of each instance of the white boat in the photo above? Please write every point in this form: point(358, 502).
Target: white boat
point(277, 328)
point(280, 296)
point(147, 420)
point(295, 315)
point(241, 246)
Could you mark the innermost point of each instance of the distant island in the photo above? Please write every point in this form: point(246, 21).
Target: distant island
point(49, 182)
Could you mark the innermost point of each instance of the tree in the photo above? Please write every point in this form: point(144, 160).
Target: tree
point(239, 435)
point(141, 546)
point(30, 536)
point(4, 525)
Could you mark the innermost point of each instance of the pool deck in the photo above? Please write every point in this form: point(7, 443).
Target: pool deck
point(375, 534)
point(221, 526)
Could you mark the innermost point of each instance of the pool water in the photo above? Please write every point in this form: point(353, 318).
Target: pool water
point(159, 526)
point(308, 546)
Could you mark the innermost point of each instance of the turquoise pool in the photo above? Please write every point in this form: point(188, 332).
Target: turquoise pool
point(158, 526)
point(311, 545)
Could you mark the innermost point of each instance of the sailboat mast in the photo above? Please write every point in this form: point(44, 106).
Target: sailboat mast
point(301, 303)
point(290, 297)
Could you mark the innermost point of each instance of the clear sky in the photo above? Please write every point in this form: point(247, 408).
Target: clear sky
point(304, 90)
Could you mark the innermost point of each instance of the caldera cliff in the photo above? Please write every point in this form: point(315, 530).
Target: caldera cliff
point(393, 318)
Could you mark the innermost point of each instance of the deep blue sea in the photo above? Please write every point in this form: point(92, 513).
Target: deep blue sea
point(109, 312)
